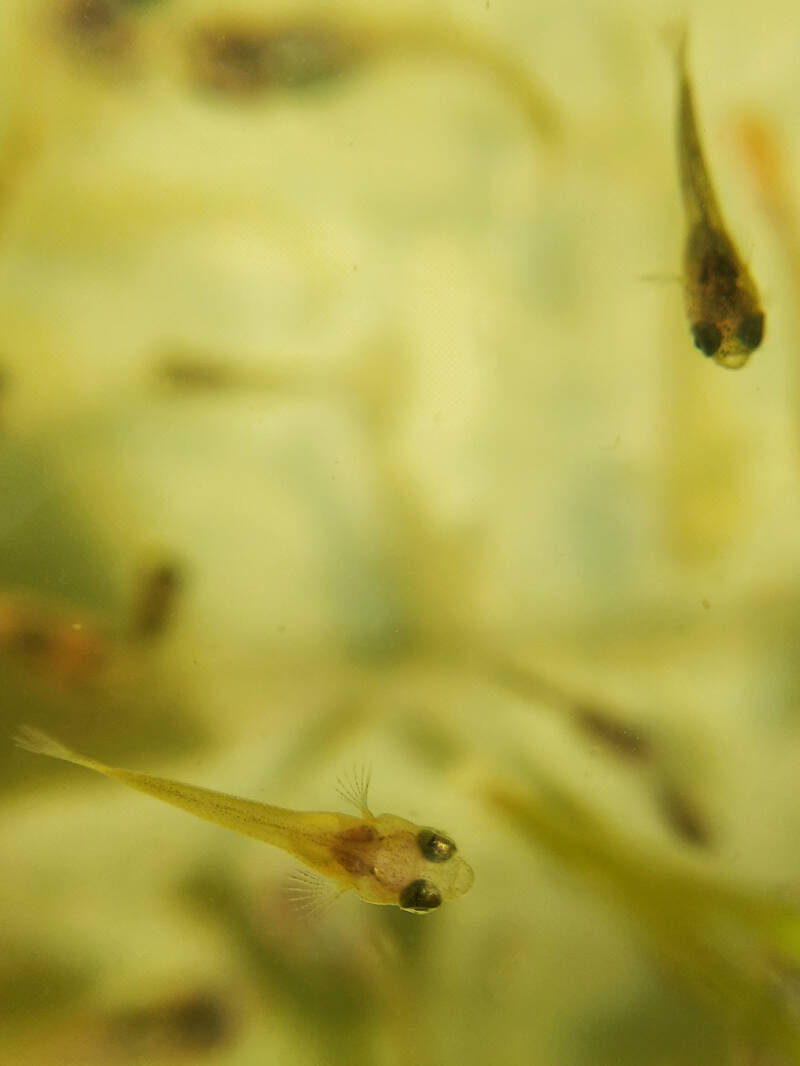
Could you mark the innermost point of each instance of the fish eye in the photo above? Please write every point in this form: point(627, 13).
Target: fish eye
point(751, 330)
point(706, 337)
point(420, 896)
point(435, 847)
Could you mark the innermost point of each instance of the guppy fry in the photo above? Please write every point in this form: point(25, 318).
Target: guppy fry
point(383, 858)
point(722, 303)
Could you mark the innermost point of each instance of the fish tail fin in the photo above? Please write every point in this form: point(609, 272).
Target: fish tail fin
point(675, 35)
point(31, 739)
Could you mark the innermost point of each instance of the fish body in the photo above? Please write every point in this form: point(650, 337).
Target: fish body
point(385, 859)
point(722, 304)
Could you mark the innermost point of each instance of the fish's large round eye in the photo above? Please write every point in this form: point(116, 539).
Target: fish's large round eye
point(706, 337)
point(420, 896)
point(750, 330)
point(435, 847)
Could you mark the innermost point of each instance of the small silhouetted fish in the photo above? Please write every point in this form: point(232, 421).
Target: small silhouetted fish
point(725, 316)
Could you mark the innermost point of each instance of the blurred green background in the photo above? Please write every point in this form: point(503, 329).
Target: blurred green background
point(341, 420)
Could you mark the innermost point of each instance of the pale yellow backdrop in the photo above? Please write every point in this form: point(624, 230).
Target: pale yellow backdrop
point(367, 319)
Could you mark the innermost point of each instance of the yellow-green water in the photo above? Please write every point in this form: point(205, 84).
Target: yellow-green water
point(330, 326)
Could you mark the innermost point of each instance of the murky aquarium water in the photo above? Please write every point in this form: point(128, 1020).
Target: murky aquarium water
point(399, 533)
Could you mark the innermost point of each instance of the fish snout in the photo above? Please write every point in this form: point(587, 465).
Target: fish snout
point(464, 877)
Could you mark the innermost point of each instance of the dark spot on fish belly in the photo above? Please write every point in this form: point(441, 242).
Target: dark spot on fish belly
point(717, 268)
point(360, 834)
point(711, 259)
point(351, 863)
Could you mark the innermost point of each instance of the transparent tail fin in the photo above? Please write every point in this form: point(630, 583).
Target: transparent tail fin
point(40, 743)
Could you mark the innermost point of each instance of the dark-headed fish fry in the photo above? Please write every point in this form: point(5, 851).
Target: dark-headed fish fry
point(725, 316)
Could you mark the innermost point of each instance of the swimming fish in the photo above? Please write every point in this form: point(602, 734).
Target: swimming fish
point(383, 858)
point(722, 303)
